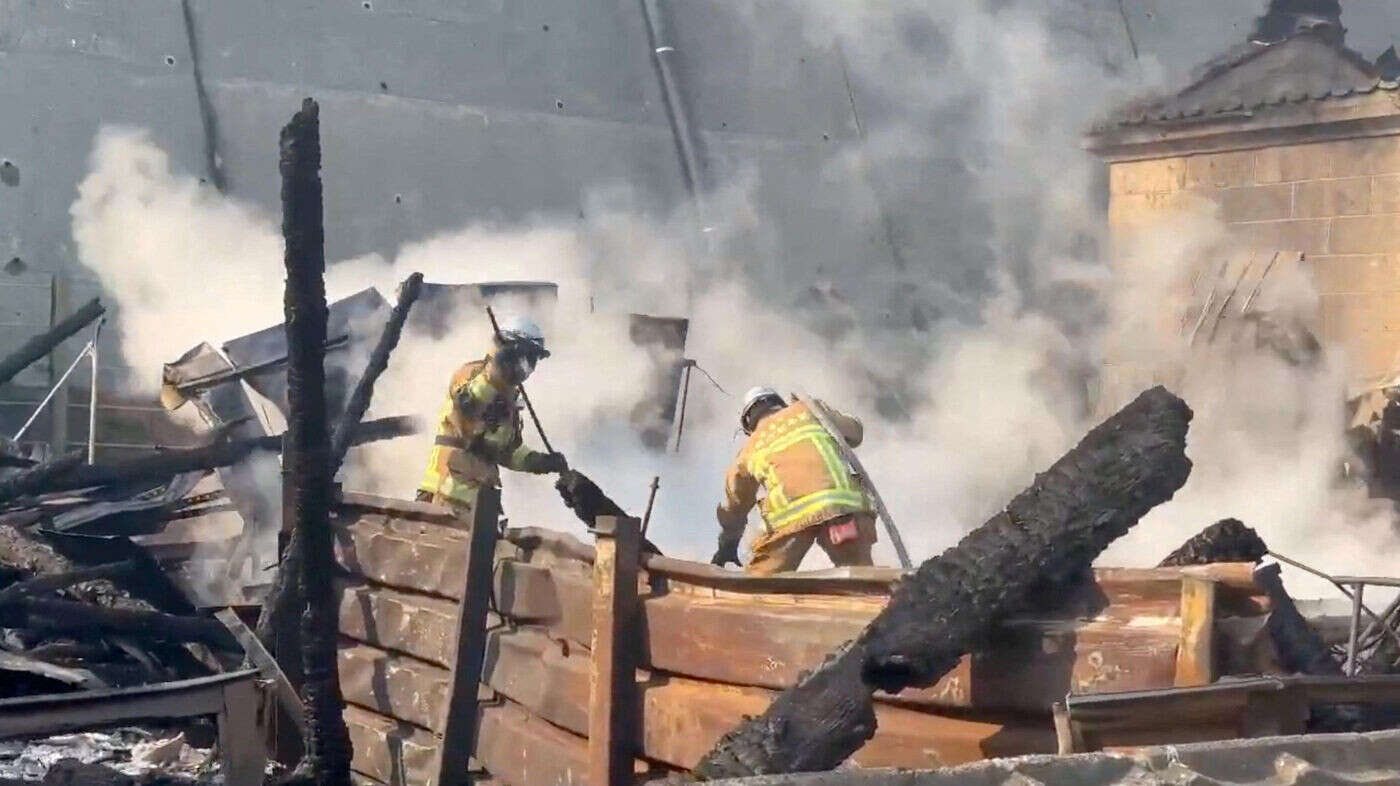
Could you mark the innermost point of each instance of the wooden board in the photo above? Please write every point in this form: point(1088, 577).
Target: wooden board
point(420, 626)
point(766, 641)
point(682, 718)
point(388, 751)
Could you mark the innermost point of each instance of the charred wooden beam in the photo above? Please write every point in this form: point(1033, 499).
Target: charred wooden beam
point(1300, 649)
point(63, 616)
point(308, 447)
point(53, 582)
point(1122, 469)
point(378, 361)
point(69, 473)
point(44, 343)
point(37, 479)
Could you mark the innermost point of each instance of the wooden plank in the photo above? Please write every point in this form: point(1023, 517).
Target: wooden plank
point(519, 749)
point(460, 721)
point(1195, 657)
point(394, 685)
point(389, 751)
point(418, 625)
point(408, 555)
point(611, 705)
point(766, 641)
point(242, 755)
point(681, 719)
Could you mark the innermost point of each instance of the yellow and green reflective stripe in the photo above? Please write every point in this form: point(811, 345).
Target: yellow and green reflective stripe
point(842, 500)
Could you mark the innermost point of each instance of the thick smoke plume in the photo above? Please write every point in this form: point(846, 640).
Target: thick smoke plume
point(970, 338)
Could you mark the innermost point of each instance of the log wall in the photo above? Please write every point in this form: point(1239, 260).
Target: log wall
point(713, 647)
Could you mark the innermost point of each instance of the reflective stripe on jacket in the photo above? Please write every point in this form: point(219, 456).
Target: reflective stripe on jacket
point(799, 465)
point(479, 429)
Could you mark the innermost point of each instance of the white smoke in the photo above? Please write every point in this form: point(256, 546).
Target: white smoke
point(973, 365)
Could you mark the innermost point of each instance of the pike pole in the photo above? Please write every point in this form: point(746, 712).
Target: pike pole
point(849, 455)
point(495, 326)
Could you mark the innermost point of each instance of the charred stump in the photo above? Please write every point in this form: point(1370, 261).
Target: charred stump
point(308, 449)
point(1227, 540)
point(1122, 469)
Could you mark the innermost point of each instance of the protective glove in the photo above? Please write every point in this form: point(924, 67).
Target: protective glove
point(728, 552)
point(545, 463)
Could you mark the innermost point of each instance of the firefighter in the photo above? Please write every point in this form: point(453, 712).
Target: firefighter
point(811, 494)
point(479, 429)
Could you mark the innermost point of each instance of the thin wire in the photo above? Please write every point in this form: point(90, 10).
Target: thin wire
point(712, 379)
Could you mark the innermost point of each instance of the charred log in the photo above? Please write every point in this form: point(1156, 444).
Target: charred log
point(69, 617)
point(114, 571)
point(1227, 540)
point(69, 473)
point(359, 401)
point(1122, 469)
point(41, 345)
point(308, 448)
point(36, 479)
point(1300, 649)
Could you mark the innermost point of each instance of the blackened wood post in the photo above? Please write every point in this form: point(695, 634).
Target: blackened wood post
point(308, 442)
point(460, 724)
point(613, 670)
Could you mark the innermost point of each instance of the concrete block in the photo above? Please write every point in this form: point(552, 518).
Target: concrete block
point(1257, 203)
point(1294, 162)
point(1377, 156)
point(1145, 177)
point(1326, 198)
point(1308, 236)
point(1365, 234)
point(1385, 194)
point(1220, 170)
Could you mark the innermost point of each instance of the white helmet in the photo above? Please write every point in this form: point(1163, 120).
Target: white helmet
point(522, 329)
point(756, 396)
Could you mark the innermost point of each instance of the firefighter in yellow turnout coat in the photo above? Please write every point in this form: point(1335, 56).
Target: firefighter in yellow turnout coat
point(479, 428)
point(812, 496)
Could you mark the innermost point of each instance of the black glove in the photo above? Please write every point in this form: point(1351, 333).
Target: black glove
point(728, 552)
point(545, 463)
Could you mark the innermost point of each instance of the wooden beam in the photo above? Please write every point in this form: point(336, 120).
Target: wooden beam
point(460, 724)
point(612, 682)
point(1195, 656)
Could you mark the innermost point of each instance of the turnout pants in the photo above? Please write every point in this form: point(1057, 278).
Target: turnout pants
point(784, 552)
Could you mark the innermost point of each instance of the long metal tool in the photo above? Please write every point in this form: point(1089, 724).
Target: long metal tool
point(495, 326)
point(819, 412)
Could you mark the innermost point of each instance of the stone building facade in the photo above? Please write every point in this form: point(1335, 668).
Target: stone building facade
point(1296, 143)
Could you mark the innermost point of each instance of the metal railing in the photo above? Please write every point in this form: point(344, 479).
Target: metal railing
point(88, 351)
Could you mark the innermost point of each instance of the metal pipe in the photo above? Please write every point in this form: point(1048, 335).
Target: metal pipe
point(681, 130)
point(92, 394)
point(1352, 665)
point(52, 391)
point(1340, 587)
point(685, 396)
